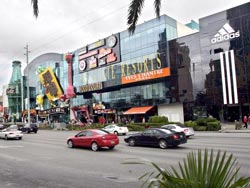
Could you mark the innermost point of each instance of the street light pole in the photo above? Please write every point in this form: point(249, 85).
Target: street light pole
point(27, 82)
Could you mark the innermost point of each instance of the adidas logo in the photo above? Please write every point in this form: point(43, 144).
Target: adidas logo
point(225, 33)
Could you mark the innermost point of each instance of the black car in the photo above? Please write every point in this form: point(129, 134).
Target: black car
point(156, 137)
point(29, 128)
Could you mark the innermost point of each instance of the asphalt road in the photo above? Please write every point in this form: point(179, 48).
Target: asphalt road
point(43, 160)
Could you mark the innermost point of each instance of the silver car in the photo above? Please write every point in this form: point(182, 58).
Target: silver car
point(189, 131)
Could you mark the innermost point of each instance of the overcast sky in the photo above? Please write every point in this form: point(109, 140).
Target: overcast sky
point(63, 26)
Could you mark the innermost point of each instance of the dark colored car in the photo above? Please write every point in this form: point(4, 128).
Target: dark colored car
point(94, 139)
point(29, 128)
point(162, 138)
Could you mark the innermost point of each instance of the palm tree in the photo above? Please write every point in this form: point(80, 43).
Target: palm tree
point(197, 171)
point(34, 3)
point(134, 12)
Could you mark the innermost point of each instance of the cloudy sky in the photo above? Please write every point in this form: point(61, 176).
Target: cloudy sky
point(63, 26)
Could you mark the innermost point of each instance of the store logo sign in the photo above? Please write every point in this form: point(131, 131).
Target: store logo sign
point(225, 33)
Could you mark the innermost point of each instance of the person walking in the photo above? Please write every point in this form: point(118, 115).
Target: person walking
point(245, 120)
point(248, 121)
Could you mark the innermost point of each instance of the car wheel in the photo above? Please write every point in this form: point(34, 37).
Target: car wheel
point(116, 133)
point(70, 144)
point(163, 144)
point(20, 138)
point(187, 136)
point(111, 147)
point(94, 146)
point(131, 142)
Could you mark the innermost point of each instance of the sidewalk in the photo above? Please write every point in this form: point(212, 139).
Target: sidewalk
point(230, 128)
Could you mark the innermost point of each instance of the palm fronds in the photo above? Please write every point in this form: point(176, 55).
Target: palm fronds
point(134, 12)
point(199, 170)
point(34, 3)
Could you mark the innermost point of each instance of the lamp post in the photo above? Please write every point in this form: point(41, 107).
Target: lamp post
point(27, 83)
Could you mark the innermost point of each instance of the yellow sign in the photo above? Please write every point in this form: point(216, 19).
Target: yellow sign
point(52, 88)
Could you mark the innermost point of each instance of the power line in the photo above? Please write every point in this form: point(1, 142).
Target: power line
point(80, 27)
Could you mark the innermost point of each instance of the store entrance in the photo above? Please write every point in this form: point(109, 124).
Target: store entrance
point(232, 113)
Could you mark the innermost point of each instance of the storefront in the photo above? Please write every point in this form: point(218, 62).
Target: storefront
point(203, 73)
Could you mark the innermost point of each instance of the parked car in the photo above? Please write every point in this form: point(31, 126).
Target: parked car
point(160, 137)
point(93, 138)
point(1, 126)
point(189, 131)
point(118, 130)
point(11, 133)
point(29, 128)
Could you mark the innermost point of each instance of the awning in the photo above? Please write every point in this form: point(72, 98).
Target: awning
point(138, 110)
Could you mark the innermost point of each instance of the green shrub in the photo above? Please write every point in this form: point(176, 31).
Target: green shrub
point(213, 126)
point(158, 119)
point(190, 123)
point(201, 121)
point(134, 127)
point(200, 128)
point(210, 119)
point(198, 170)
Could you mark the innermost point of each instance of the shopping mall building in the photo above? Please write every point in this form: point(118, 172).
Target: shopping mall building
point(164, 68)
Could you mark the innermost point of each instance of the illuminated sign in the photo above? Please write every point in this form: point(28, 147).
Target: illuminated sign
point(100, 53)
point(91, 87)
point(52, 88)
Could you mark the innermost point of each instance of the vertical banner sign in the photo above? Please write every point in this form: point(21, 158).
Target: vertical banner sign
point(228, 77)
point(52, 88)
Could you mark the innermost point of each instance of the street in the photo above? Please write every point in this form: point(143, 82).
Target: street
point(43, 160)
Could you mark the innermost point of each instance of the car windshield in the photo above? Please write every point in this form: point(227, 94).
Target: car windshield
point(101, 132)
point(166, 131)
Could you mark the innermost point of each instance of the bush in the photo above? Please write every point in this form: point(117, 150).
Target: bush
point(190, 123)
point(201, 121)
point(199, 170)
point(134, 127)
point(200, 128)
point(213, 126)
point(158, 119)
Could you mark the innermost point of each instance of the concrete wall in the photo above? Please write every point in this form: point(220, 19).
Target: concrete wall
point(174, 112)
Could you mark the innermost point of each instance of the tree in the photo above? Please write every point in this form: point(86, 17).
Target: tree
point(199, 170)
point(134, 12)
point(34, 3)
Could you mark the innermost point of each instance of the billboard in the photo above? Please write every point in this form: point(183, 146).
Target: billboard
point(49, 81)
point(100, 53)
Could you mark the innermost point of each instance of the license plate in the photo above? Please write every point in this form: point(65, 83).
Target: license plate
point(112, 142)
point(181, 136)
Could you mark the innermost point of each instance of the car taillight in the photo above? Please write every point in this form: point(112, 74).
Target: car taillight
point(185, 130)
point(175, 136)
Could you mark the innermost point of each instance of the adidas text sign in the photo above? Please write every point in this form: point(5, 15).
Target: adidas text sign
point(225, 33)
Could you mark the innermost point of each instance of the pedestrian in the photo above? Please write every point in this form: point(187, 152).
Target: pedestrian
point(248, 121)
point(245, 120)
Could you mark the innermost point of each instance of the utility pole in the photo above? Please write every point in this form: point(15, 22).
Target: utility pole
point(27, 82)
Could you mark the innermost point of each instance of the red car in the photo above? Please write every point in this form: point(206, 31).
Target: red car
point(93, 138)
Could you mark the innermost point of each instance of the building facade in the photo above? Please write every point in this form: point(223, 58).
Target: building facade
point(165, 68)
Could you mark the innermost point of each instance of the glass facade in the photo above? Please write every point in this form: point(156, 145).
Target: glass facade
point(206, 73)
point(145, 51)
